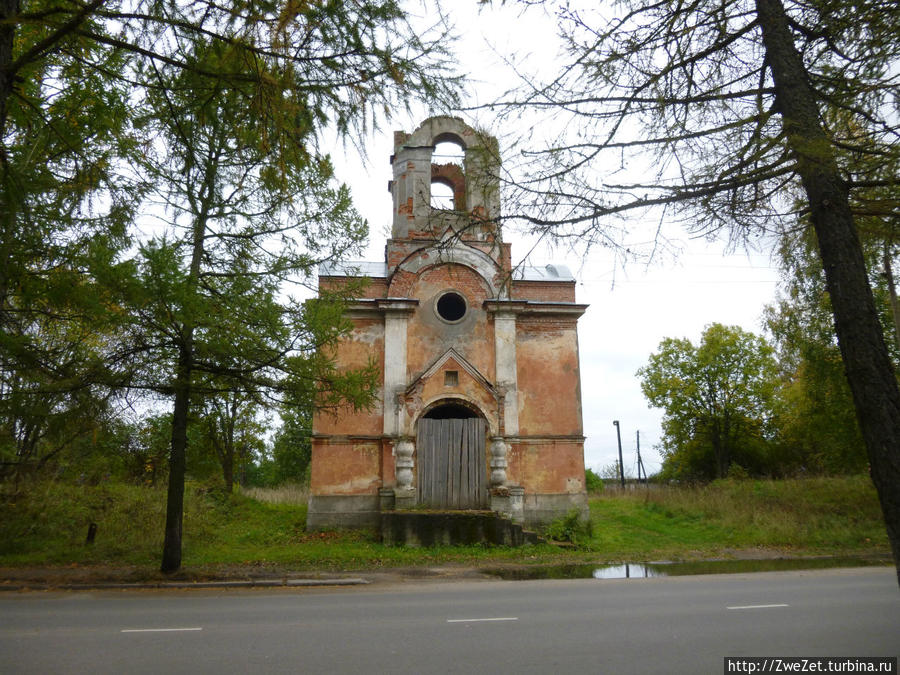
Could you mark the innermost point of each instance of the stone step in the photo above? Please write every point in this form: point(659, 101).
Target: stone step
point(452, 528)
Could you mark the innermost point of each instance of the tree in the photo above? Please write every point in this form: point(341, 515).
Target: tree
point(818, 419)
point(148, 449)
point(246, 93)
point(593, 481)
point(62, 222)
point(44, 407)
point(733, 100)
point(250, 208)
point(718, 399)
point(292, 448)
point(232, 426)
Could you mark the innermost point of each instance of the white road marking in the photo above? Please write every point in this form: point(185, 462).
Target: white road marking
point(496, 618)
point(756, 606)
point(158, 630)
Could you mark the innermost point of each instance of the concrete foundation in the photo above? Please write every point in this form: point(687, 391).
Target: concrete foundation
point(451, 528)
point(542, 509)
point(343, 511)
point(368, 511)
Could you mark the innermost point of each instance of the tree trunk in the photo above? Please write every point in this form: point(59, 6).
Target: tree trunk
point(9, 9)
point(718, 450)
point(892, 290)
point(232, 406)
point(220, 427)
point(171, 557)
point(867, 364)
point(228, 469)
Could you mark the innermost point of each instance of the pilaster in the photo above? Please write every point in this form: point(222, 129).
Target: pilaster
point(506, 373)
point(396, 316)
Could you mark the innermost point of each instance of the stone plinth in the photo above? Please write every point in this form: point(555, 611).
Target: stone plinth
point(451, 528)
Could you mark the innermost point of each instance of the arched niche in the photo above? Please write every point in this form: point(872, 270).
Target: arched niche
point(450, 253)
point(451, 458)
point(454, 408)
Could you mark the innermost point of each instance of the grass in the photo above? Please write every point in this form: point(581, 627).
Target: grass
point(809, 516)
point(288, 493)
point(46, 524)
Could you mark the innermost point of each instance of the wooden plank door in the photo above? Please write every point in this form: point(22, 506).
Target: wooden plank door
point(451, 466)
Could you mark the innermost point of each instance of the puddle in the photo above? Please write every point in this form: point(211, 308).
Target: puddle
point(674, 569)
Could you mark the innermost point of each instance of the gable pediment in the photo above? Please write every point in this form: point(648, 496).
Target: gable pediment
point(452, 360)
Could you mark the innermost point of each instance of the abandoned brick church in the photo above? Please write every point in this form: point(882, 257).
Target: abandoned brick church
point(480, 404)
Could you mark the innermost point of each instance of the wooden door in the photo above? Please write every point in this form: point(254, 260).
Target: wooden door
point(452, 472)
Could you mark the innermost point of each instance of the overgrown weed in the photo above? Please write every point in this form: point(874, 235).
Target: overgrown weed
point(47, 523)
point(808, 513)
point(570, 528)
point(289, 493)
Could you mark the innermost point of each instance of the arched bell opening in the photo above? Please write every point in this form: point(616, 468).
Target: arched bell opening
point(451, 459)
point(442, 195)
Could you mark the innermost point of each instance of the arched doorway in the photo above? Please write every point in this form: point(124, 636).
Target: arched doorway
point(451, 462)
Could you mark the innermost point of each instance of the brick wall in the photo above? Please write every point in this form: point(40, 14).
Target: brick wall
point(544, 291)
point(548, 379)
point(429, 337)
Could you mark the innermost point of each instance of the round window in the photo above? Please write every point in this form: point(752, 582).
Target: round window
point(451, 307)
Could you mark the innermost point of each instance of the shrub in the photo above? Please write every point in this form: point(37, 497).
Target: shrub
point(570, 528)
point(592, 482)
point(737, 472)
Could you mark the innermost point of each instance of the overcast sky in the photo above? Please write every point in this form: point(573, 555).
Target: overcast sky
point(631, 309)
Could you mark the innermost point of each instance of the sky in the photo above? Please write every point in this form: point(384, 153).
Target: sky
point(631, 309)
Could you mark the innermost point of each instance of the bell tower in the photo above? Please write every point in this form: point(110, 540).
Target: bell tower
point(475, 208)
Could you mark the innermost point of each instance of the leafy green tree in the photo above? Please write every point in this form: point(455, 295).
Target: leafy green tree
point(718, 399)
point(245, 217)
point(243, 94)
point(742, 106)
point(818, 419)
point(593, 481)
point(148, 449)
point(292, 448)
point(44, 409)
point(231, 424)
point(63, 218)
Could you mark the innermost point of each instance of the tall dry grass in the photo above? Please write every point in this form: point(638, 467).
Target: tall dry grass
point(809, 512)
point(289, 493)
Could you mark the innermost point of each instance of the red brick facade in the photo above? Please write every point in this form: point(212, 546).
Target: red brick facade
point(456, 333)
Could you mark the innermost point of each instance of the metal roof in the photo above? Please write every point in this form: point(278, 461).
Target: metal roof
point(377, 270)
point(550, 272)
point(353, 268)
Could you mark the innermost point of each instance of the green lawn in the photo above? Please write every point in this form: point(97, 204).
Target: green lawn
point(46, 524)
point(813, 516)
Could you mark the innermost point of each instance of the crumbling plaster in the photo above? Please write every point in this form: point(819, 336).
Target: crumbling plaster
point(512, 355)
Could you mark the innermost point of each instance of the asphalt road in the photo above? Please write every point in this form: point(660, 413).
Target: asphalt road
point(656, 625)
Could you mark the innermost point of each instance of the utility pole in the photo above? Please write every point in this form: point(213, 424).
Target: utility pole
point(621, 464)
point(640, 463)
